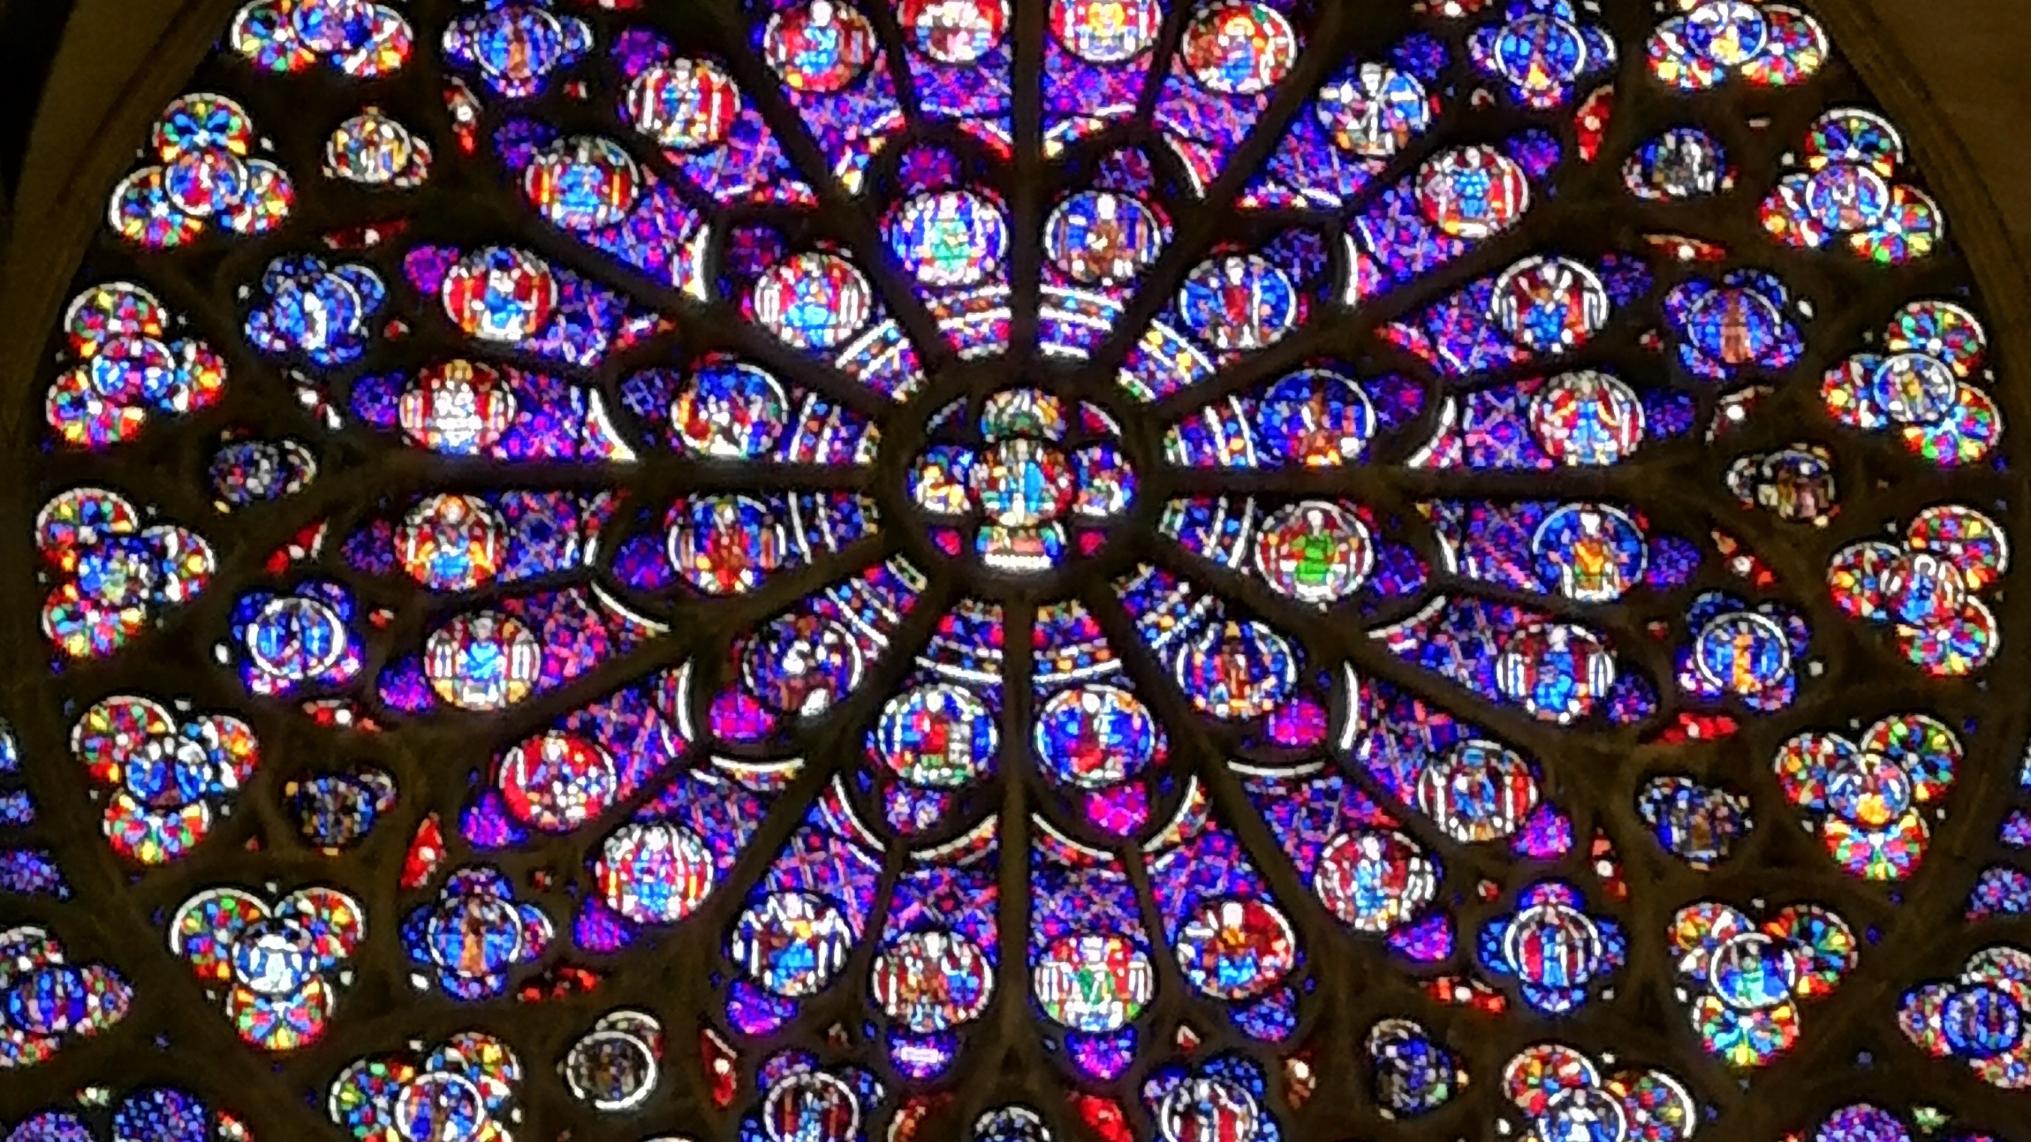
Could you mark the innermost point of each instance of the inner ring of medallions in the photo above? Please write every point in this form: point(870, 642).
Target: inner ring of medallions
point(1020, 481)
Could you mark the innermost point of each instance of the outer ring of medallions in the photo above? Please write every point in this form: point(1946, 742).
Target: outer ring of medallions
point(905, 435)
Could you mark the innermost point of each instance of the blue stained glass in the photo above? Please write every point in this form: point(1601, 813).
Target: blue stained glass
point(808, 489)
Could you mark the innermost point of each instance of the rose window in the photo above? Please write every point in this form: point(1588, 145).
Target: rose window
point(1017, 570)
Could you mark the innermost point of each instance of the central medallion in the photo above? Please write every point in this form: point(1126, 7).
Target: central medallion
point(1022, 483)
point(1023, 488)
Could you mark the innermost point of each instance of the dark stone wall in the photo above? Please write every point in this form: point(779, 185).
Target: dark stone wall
point(29, 36)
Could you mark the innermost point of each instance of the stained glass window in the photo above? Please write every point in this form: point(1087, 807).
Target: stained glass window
point(1018, 570)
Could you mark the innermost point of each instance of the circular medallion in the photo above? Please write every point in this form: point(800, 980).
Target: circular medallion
point(726, 545)
point(1373, 880)
point(1095, 736)
point(1106, 31)
point(955, 32)
point(451, 542)
point(1239, 302)
point(791, 943)
point(462, 408)
point(729, 410)
point(1478, 791)
point(483, 661)
point(1587, 419)
point(948, 238)
point(655, 872)
point(1374, 111)
point(802, 664)
point(812, 300)
point(1236, 949)
point(1093, 983)
point(932, 981)
point(1472, 192)
point(612, 1070)
point(557, 782)
point(938, 736)
point(1022, 483)
point(1556, 671)
point(1314, 552)
point(583, 183)
point(686, 105)
point(500, 294)
point(810, 1106)
point(1239, 48)
point(1102, 237)
point(297, 638)
point(819, 46)
point(1208, 1110)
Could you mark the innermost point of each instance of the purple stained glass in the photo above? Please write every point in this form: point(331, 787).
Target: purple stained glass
point(1046, 568)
